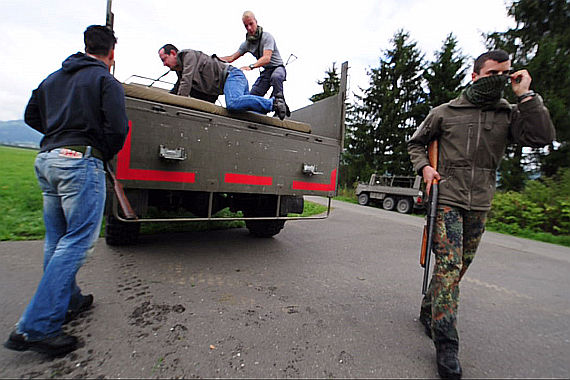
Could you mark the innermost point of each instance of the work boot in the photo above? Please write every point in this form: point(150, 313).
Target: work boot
point(279, 106)
point(426, 322)
point(448, 365)
point(84, 305)
point(54, 346)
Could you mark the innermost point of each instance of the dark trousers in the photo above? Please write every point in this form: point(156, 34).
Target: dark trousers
point(272, 77)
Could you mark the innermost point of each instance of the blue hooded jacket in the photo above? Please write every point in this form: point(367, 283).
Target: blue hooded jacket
point(79, 104)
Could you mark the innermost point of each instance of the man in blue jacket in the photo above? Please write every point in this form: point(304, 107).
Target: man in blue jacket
point(80, 109)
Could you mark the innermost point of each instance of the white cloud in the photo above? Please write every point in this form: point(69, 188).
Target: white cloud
point(39, 35)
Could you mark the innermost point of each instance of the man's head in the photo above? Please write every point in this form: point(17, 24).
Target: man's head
point(494, 62)
point(100, 42)
point(168, 55)
point(250, 22)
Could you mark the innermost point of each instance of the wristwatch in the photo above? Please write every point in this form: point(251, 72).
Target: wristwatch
point(526, 95)
point(251, 67)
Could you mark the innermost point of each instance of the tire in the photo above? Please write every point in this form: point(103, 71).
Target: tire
point(264, 228)
point(120, 233)
point(404, 206)
point(363, 199)
point(388, 203)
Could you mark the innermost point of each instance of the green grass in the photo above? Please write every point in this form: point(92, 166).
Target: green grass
point(21, 203)
point(20, 196)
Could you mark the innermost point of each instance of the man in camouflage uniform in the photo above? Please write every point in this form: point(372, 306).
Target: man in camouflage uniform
point(473, 131)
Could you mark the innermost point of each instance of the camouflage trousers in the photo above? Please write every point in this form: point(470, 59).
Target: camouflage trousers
point(457, 236)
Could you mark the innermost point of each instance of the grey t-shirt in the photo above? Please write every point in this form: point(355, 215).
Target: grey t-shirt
point(267, 43)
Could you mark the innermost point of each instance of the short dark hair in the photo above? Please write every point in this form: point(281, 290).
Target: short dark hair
point(99, 40)
point(494, 55)
point(168, 48)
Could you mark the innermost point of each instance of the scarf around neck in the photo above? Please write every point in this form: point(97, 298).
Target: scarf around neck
point(256, 36)
point(486, 91)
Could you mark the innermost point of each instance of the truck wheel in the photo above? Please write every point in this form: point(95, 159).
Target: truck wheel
point(264, 228)
point(363, 199)
point(120, 233)
point(388, 203)
point(404, 206)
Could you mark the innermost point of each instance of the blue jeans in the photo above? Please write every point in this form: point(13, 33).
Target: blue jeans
point(238, 99)
point(273, 77)
point(74, 199)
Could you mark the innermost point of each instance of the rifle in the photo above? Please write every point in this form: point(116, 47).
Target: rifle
point(120, 194)
point(427, 239)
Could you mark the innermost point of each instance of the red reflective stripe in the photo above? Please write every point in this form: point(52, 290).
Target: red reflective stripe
point(300, 185)
point(124, 170)
point(248, 179)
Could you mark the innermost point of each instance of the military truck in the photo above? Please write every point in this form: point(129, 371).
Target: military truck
point(190, 159)
point(402, 193)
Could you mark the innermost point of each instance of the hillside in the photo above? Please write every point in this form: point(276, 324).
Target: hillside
point(17, 133)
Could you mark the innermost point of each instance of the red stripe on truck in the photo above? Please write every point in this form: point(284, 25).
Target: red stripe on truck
point(124, 170)
point(248, 179)
point(300, 185)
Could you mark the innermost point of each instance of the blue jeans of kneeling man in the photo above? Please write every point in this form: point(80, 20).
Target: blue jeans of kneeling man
point(74, 199)
point(238, 99)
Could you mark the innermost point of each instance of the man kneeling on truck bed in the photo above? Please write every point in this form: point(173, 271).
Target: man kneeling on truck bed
point(212, 77)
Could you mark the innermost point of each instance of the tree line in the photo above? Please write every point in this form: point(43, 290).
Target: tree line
point(405, 86)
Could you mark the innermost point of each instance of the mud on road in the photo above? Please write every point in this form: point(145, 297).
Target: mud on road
point(220, 304)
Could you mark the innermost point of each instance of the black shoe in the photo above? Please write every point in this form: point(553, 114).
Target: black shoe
point(54, 346)
point(426, 321)
point(279, 106)
point(448, 365)
point(86, 302)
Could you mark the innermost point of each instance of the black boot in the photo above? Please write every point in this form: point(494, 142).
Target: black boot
point(279, 106)
point(448, 365)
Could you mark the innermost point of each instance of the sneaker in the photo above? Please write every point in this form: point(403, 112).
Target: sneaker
point(279, 106)
point(54, 346)
point(86, 302)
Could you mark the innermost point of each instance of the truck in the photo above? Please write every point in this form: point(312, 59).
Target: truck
point(402, 193)
point(189, 159)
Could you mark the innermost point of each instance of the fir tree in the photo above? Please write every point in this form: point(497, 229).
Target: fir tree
point(331, 84)
point(388, 112)
point(446, 74)
point(540, 42)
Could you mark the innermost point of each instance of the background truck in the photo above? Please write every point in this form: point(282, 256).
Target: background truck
point(190, 159)
point(395, 192)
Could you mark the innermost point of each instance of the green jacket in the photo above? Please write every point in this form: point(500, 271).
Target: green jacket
point(472, 142)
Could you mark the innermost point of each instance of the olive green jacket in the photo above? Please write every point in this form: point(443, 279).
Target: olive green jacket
point(472, 142)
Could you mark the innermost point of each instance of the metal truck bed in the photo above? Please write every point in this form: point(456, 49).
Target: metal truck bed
point(180, 143)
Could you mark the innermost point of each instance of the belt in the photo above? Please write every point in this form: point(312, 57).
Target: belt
point(83, 149)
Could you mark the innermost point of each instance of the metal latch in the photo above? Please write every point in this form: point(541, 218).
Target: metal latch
point(178, 154)
point(310, 170)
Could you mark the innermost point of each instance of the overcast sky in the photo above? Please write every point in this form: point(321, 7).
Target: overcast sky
point(37, 35)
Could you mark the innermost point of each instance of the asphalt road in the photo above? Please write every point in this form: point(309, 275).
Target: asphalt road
point(334, 298)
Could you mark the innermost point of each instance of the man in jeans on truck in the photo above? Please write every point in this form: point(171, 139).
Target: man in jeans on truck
point(80, 109)
point(213, 77)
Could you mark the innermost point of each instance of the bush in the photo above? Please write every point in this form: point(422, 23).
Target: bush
point(543, 206)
